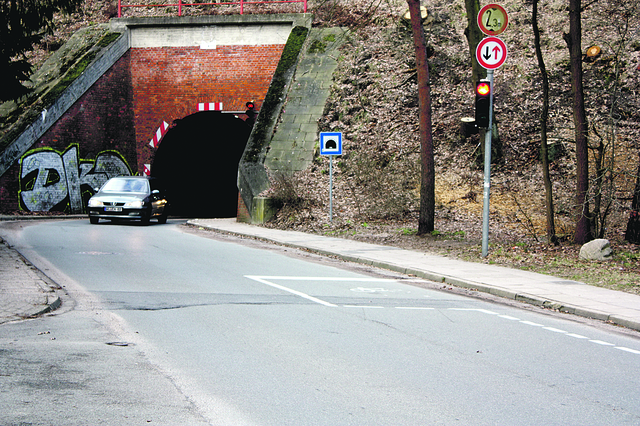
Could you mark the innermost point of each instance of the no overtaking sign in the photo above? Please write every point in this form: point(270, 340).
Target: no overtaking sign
point(491, 53)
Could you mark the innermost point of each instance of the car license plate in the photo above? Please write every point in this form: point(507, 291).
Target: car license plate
point(113, 209)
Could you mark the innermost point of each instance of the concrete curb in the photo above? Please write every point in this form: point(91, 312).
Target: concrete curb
point(9, 218)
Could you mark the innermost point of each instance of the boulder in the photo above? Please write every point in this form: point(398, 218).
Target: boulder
point(599, 249)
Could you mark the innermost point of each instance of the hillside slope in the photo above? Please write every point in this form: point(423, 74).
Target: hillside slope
point(374, 104)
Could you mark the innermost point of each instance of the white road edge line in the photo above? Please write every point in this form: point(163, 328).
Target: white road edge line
point(484, 311)
point(290, 278)
point(555, 330)
point(263, 280)
point(577, 336)
point(363, 306)
point(289, 290)
point(633, 351)
point(535, 324)
point(415, 308)
point(510, 318)
point(600, 342)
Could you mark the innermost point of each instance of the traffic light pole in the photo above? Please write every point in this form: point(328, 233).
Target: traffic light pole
point(487, 172)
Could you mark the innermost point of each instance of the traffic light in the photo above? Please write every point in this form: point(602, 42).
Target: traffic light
point(251, 113)
point(483, 103)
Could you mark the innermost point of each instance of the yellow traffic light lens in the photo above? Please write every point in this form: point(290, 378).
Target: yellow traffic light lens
point(483, 89)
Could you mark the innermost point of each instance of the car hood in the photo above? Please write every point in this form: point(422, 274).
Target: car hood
point(120, 196)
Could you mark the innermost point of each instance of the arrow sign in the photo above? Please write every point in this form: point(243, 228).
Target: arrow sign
point(491, 53)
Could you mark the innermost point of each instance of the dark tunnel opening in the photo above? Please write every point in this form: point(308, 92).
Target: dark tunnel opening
point(197, 161)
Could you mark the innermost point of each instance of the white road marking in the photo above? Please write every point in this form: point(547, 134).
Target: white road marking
point(289, 290)
point(577, 336)
point(555, 330)
point(633, 351)
point(418, 308)
point(290, 278)
point(363, 306)
point(600, 342)
point(484, 311)
point(267, 280)
point(509, 317)
point(374, 290)
point(534, 324)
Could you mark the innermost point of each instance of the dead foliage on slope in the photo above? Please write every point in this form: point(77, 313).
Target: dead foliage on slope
point(374, 103)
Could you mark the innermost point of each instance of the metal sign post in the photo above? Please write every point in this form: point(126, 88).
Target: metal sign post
point(491, 54)
point(487, 172)
point(331, 188)
point(331, 145)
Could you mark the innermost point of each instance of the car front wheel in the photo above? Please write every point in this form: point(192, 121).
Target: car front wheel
point(146, 216)
point(94, 220)
point(162, 219)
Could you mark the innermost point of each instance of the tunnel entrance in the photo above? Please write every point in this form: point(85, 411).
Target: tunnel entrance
point(198, 162)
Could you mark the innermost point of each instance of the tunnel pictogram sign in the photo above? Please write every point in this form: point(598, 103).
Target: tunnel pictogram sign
point(331, 143)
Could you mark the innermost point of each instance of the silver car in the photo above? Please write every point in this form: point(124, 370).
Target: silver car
point(136, 198)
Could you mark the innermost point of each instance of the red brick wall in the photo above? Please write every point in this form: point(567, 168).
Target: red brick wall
point(123, 109)
point(169, 83)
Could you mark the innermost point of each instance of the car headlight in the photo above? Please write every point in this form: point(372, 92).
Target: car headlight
point(95, 202)
point(135, 204)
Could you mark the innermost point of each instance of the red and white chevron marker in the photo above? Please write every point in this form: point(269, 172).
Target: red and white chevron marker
point(147, 170)
point(210, 106)
point(155, 141)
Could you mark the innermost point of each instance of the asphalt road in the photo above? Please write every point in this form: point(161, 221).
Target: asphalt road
point(168, 326)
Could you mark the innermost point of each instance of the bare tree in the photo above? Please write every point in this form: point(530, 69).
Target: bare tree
point(22, 25)
point(544, 116)
point(611, 169)
point(427, 186)
point(632, 233)
point(574, 43)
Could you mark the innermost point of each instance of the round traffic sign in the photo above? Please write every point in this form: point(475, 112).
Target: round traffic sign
point(493, 19)
point(491, 53)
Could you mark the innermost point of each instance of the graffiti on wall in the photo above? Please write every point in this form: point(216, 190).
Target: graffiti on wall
point(53, 181)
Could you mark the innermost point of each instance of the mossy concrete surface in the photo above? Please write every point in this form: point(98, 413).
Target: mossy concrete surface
point(295, 142)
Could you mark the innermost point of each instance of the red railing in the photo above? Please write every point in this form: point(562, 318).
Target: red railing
point(182, 4)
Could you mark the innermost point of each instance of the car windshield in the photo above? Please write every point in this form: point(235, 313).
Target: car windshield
point(126, 185)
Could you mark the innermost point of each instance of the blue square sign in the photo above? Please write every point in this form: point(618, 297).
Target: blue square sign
point(331, 143)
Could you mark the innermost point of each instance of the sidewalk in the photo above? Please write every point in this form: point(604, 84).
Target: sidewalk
point(537, 289)
point(24, 293)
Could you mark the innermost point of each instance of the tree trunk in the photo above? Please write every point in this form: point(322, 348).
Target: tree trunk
point(544, 115)
point(633, 225)
point(474, 35)
point(427, 187)
point(574, 43)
